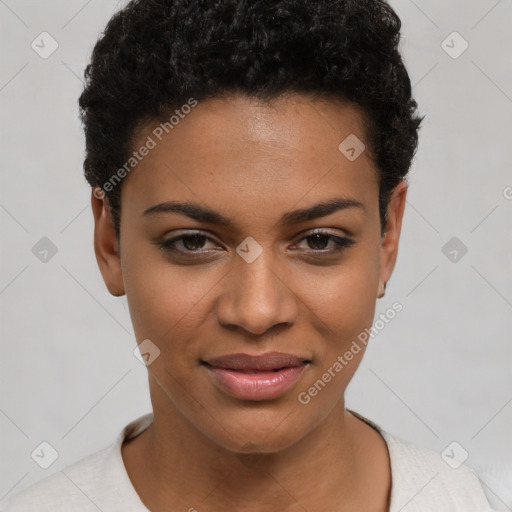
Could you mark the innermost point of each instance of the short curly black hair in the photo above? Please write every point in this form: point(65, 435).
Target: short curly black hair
point(155, 55)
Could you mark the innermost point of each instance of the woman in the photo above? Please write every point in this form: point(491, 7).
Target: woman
point(248, 166)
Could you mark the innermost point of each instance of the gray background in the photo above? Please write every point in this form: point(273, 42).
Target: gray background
point(439, 372)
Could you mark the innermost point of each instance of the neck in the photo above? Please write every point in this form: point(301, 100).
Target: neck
point(173, 465)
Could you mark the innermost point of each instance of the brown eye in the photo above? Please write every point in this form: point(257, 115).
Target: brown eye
point(192, 244)
point(319, 242)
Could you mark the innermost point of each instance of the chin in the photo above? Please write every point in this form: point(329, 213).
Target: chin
point(266, 429)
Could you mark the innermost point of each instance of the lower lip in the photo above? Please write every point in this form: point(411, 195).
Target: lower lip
point(256, 386)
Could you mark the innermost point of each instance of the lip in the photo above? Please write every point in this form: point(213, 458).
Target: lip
point(261, 377)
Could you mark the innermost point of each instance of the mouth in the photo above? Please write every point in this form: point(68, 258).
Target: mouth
point(262, 377)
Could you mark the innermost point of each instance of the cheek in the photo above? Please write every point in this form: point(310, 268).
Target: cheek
point(168, 302)
point(164, 299)
point(350, 309)
point(345, 298)
point(344, 302)
point(344, 307)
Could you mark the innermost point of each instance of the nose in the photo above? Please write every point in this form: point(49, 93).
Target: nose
point(257, 297)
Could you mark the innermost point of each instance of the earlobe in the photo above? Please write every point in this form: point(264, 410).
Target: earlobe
point(105, 244)
point(382, 289)
point(391, 235)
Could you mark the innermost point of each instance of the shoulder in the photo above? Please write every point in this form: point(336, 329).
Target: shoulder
point(421, 479)
point(424, 480)
point(96, 482)
point(65, 490)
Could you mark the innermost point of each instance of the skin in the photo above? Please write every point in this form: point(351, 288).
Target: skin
point(253, 162)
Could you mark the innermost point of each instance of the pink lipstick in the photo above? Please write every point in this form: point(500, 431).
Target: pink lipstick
point(261, 377)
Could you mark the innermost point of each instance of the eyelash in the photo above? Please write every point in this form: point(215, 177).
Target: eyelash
point(341, 242)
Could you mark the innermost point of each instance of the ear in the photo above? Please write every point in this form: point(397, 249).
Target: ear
point(105, 244)
point(391, 236)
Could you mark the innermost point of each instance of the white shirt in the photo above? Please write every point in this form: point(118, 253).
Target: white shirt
point(421, 481)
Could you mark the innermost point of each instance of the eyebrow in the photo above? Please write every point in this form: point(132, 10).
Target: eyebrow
point(207, 215)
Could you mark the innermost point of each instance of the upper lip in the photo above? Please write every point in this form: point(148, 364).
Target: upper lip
point(268, 361)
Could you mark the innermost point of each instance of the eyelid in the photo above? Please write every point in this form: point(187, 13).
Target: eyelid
point(300, 236)
point(325, 231)
point(341, 242)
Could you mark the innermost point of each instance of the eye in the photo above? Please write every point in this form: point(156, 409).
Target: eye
point(319, 240)
point(192, 244)
point(187, 244)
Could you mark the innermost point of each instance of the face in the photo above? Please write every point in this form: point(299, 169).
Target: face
point(251, 257)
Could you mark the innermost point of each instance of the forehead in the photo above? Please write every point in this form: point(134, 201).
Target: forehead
point(238, 150)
